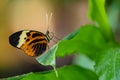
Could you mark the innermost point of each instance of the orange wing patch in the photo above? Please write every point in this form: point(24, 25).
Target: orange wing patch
point(35, 44)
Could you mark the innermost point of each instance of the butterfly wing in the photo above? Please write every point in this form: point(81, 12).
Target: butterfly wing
point(33, 43)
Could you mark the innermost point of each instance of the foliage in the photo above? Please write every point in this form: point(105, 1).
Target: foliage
point(70, 73)
point(95, 41)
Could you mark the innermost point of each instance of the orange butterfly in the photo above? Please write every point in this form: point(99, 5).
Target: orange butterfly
point(33, 43)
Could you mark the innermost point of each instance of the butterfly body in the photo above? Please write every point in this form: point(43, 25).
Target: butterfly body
point(33, 43)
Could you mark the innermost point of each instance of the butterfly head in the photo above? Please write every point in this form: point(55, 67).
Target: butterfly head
point(48, 36)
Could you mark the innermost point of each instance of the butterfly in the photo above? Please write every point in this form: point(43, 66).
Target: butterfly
point(33, 43)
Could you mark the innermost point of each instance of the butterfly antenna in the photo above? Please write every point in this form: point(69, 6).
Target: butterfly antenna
point(48, 21)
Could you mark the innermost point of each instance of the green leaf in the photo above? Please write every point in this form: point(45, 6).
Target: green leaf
point(48, 58)
point(84, 61)
point(88, 40)
point(71, 35)
point(108, 64)
point(97, 13)
point(65, 73)
point(113, 15)
point(19, 77)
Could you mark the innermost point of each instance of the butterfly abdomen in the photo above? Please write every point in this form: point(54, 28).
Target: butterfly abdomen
point(33, 43)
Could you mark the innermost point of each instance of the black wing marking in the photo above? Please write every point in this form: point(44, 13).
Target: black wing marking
point(39, 48)
point(14, 38)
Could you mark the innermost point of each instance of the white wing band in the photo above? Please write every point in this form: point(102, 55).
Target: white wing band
point(22, 38)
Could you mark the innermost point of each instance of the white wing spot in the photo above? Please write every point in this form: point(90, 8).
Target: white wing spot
point(22, 38)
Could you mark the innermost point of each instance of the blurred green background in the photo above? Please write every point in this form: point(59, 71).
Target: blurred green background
point(68, 15)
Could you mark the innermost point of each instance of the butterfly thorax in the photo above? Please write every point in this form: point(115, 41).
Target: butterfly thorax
point(48, 38)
